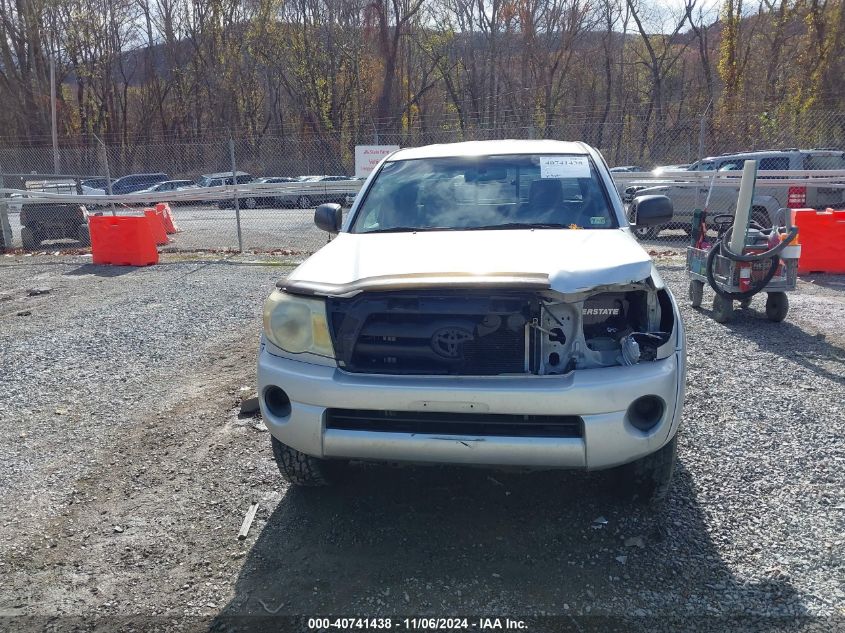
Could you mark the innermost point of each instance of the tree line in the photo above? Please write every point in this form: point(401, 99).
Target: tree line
point(408, 71)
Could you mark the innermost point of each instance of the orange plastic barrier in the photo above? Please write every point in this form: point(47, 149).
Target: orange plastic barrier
point(157, 225)
point(822, 237)
point(122, 240)
point(167, 217)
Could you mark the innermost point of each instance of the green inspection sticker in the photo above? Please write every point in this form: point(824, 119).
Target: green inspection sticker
point(598, 220)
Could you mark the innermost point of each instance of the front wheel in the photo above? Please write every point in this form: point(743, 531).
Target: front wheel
point(777, 305)
point(28, 240)
point(723, 309)
point(250, 203)
point(304, 202)
point(303, 470)
point(696, 292)
point(649, 478)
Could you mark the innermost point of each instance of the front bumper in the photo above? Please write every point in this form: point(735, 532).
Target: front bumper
point(600, 396)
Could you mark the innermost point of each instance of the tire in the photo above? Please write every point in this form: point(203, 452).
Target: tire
point(645, 232)
point(250, 203)
point(649, 479)
point(28, 240)
point(696, 292)
point(777, 306)
point(303, 470)
point(83, 234)
point(303, 202)
point(723, 309)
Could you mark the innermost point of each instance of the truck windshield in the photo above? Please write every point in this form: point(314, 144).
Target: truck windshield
point(487, 192)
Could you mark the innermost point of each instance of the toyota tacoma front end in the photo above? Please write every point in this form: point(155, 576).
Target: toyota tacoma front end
point(484, 303)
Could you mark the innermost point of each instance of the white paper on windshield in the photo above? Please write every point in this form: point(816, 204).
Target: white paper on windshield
point(564, 167)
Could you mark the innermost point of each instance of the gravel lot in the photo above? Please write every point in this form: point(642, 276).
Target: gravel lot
point(127, 472)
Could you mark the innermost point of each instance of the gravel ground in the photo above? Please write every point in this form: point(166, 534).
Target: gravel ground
point(127, 472)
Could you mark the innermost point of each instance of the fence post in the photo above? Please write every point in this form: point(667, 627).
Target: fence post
point(375, 131)
point(5, 228)
point(702, 128)
point(108, 173)
point(57, 164)
point(235, 196)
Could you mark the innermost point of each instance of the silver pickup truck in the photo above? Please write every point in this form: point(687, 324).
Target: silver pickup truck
point(484, 303)
point(686, 197)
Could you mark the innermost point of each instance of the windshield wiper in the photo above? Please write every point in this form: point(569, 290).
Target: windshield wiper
point(517, 225)
point(409, 229)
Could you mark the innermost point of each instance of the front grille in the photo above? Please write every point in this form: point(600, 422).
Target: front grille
point(430, 333)
point(490, 424)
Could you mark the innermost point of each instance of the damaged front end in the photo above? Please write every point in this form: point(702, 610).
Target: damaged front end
point(501, 331)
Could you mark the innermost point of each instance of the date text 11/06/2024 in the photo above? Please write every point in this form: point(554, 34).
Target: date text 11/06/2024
point(431, 624)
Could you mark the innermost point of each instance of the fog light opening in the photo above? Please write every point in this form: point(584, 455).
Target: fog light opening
point(277, 402)
point(645, 412)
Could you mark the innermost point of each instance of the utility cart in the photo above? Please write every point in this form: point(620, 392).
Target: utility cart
point(745, 259)
point(726, 274)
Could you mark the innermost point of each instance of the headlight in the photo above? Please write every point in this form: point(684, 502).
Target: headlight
point(297, 325)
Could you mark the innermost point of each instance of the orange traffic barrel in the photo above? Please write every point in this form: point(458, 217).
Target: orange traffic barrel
point(156, 220)
point(167, 217)
point(122, 240)
point(822, 235)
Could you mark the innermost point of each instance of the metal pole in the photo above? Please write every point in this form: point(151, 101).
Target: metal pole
point(235, 187)
point(702, 130)
point(108, 173)
point(57, 166)
point(5, 227)
point(702, 125)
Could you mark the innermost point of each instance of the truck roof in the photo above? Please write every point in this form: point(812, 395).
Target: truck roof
point(777, 152)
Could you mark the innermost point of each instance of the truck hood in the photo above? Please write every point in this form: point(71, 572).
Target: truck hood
point(567, 260)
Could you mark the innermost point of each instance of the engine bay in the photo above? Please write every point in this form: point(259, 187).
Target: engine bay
point(603, 329)
point(484, 333)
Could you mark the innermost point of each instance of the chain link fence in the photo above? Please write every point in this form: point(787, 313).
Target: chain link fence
point(289, 175)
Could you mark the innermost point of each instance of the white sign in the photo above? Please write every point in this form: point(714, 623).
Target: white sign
point(368, 156)
point(564, 167)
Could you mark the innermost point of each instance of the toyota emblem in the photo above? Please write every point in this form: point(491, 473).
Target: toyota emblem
point(447, 341)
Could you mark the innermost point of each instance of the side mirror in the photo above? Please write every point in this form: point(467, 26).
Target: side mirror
point(328, 217)
point(650, 211)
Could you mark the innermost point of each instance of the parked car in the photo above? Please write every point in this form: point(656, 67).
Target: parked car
point(662, 169)
point(312, 197)
point(42, 221)
point(270, 199)
point(457, 318)
point(767, 201)
point(136, 182)
point(220, 179)
point(94, 186)
point(169, 185)
point(626, 168)
point(628, 192)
